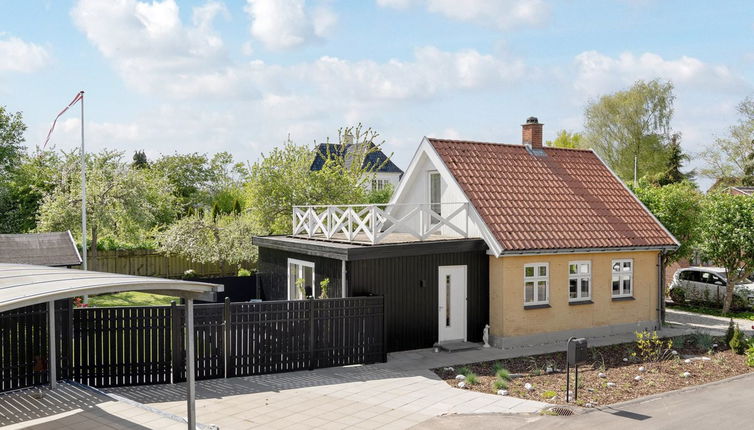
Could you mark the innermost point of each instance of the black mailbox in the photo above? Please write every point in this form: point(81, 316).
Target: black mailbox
point(578, 352)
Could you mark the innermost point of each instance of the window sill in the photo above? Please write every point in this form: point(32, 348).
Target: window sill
point(623, 299)
point(542, 306)
point(580, 302)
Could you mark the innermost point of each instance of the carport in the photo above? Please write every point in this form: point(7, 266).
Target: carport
point(25, 285)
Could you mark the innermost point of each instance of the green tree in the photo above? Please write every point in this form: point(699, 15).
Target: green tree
point(140, 160)
point(676, 158)
point(22, 190)
point(122, 203)
point(380, 196)
point(225, 240)
point(12, 130)
point(678, 207)
point(727, 237)
point(282, 179)
point(731, 156)
point(629, 124)
point(564, 139)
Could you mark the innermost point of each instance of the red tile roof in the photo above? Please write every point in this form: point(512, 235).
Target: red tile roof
point(565, 199)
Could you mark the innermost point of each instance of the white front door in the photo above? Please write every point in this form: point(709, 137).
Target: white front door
point(451, 303)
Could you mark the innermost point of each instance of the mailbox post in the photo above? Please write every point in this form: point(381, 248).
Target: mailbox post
point(577, 353)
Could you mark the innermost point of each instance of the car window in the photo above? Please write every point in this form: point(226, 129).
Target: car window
point(689, 275)
point(706, 277)
point(716, 279)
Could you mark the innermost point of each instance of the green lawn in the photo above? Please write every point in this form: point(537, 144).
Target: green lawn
point(130, 298)
point(749, 315)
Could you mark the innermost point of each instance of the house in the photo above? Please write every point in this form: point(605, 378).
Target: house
point(540, 243)
point(56, 249)
point(385, 171)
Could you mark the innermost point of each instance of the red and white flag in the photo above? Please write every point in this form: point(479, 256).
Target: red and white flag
point(79, 96)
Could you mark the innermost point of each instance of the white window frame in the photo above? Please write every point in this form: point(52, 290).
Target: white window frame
point(291, 282)
point(622, 275)
point(430, 174)
point(536, 279)
point(379, 184)
point(579, 276)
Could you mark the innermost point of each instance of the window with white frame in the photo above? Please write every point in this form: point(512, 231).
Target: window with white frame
point(435, 194)
point(579, 280)
point(623, 278)
point(379, 184)
point(300, 279)
point(536, 284)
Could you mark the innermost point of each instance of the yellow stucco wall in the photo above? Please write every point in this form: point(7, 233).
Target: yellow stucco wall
point(509, 318)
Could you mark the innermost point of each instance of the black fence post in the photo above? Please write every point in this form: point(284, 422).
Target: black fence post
point(226, 338)
point(176, 335)
point(384, 331)
point(311, 333)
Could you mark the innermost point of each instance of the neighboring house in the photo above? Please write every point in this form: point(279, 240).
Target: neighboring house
point(386, 172)
point(44, 249)
point(540, 243)
point(741, 190)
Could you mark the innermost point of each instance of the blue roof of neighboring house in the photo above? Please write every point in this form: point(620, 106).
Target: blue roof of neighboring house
point(374, 158)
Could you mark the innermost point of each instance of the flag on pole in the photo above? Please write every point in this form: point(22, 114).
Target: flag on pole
point(79, 96)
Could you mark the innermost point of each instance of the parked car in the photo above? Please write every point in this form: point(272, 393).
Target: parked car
point(708, 285)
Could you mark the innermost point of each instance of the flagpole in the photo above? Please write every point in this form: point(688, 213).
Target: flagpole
point(83, 193)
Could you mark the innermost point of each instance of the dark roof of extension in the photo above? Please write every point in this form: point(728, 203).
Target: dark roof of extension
point(374, 158)
point(44, 249)
point(564, 199)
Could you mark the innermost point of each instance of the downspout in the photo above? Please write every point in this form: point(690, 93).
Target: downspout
point(660, 289)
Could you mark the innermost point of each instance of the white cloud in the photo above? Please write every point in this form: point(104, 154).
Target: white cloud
point(597, 73)
point(20, 56)
point(152, 49)
point(285, 24)
point(501, 14)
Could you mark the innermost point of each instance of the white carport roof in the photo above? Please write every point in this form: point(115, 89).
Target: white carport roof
point(23, 285)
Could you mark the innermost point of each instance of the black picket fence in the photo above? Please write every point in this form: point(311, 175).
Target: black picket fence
point(108, 347)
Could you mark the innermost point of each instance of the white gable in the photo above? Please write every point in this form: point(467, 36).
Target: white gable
point(414, 189)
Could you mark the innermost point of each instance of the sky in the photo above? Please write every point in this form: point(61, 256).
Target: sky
point(241, 76)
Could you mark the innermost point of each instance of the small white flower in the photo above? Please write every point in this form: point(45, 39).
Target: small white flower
point(637, 378)
point(602, 375)
point(460, 377)
point(461, 384)
point(528, 386)
point(502, 392)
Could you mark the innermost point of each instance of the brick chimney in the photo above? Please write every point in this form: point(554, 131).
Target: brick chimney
point(531, 133)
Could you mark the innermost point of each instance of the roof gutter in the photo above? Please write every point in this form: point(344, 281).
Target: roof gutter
point(510, 253)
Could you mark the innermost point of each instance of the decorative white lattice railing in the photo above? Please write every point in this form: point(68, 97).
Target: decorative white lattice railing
point(373, 223)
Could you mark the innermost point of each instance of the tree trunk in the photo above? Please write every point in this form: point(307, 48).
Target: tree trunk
point(731, 282)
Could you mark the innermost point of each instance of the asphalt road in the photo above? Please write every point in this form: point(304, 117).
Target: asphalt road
point(720, 405)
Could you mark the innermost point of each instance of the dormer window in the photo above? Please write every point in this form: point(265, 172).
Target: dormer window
point(435, 193)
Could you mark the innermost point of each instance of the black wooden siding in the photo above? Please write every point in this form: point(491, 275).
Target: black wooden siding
point(408, 283)
point(273, 273)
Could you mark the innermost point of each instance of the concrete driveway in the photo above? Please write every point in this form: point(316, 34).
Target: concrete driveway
point(722, 404)
point(361, 397)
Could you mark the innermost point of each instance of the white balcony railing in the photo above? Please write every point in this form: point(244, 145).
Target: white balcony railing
point(374, 223)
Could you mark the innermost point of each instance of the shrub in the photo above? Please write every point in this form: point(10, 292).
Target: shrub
point(464, 371)
point(677, 295)
point(497, 366)
point(471, 378)
point(323, 285)
point(190, 274)
point(729, 333)
point(503, 374)
point(500, 384)
point(750, 355)
point(651, 348)
point(244, 272)
point(703, 340)
point(738, 342)
point(549, 394)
